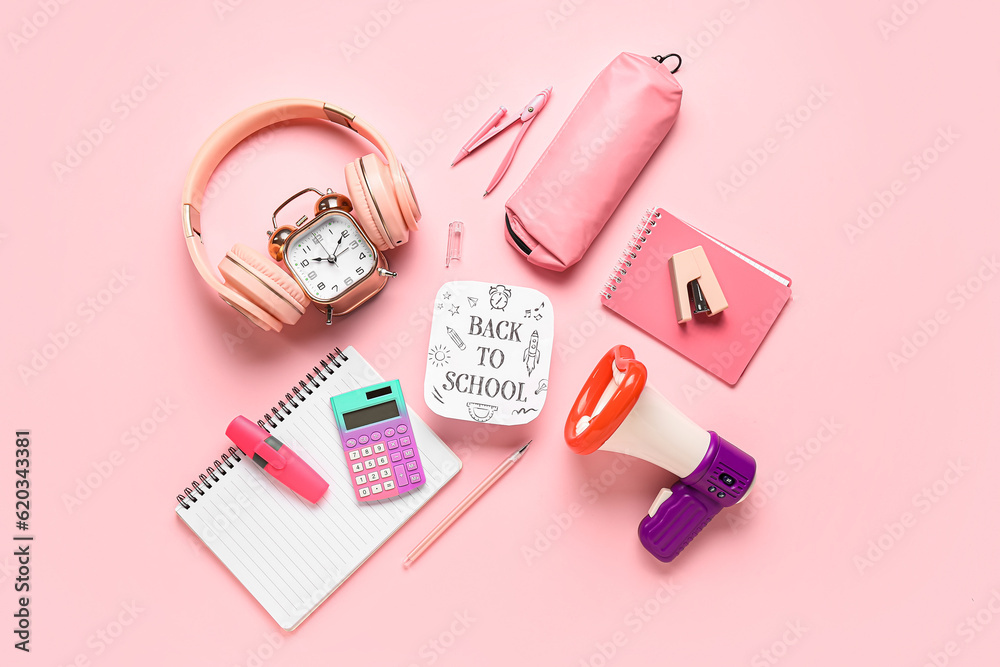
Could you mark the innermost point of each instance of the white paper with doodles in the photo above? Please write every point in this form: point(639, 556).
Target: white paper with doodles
point(489, 353)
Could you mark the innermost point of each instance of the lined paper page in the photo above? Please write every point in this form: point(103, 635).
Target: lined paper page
point(290, 554)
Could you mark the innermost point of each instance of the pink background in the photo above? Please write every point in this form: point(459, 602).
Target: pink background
point(838, 558)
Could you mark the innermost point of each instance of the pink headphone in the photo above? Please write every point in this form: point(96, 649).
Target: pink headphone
point(385, 208)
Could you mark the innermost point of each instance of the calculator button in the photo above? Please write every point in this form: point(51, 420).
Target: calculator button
point(357, 467)
point(411, 465)
point(370, 463)
point(355, 455)
point(382, 461)
point(366, 451)
point(360, 479)
point(379, 448)
point(401, 428)
point(390, 432)
point(351, 442)
point(363, 439)
point(408, 453)
point(393, 444)
point(376, 436)
point(364, 492)
point(414, 478)
point(388, 485)
point(385, 472)
point(404, 441)
point(400, 474)
point(372, 476)
point(396, 457)
point(376, 488)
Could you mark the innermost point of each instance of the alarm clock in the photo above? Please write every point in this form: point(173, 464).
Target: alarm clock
point(331, 258)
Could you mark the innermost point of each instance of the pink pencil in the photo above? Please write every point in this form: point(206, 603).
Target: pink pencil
point(499, 472)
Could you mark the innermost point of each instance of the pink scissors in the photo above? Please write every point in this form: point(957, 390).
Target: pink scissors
point(491, 129)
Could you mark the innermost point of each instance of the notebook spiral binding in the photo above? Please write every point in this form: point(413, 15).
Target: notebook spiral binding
point(293, 399)
point(216, 471)
point(630, 252)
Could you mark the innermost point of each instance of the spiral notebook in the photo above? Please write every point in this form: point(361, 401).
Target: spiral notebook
point(290, 554)
point(639, 290)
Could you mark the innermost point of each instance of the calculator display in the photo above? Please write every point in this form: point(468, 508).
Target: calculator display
point(370, 415)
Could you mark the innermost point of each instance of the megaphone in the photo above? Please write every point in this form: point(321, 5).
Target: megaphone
point(616, 411)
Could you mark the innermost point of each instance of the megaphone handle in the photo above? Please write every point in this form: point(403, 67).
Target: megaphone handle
point(678, 519)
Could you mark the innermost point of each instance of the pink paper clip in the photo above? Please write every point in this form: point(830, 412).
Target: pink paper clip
point(455, 232)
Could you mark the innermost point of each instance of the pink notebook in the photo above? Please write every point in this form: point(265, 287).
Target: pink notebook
point(639, 290)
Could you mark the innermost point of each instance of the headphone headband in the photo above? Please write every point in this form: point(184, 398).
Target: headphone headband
point(264, 115)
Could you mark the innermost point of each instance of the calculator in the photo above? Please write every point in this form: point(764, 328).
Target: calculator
point(382, 456)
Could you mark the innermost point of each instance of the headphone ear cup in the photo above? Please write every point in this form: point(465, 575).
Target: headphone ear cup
point(364, 208)
point(260, 317)
point(264, 283)
point(371, 188)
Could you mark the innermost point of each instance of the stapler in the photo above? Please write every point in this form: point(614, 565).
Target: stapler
point(695, 284)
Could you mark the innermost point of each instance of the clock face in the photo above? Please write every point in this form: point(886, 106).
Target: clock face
point(329, 257)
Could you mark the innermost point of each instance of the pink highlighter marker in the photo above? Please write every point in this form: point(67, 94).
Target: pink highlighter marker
point(277, 459)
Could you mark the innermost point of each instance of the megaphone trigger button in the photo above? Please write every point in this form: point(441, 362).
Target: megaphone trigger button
point(661, 498)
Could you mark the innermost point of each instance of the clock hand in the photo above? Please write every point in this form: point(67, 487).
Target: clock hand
point(329, 257)
point(335, 253)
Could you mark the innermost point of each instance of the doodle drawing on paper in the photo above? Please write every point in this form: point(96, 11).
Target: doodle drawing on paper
point(532, 354)
point(439, 355)
point(481, 412)
point(499, 296)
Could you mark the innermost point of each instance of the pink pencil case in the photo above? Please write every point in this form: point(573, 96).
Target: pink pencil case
point(579, 180)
